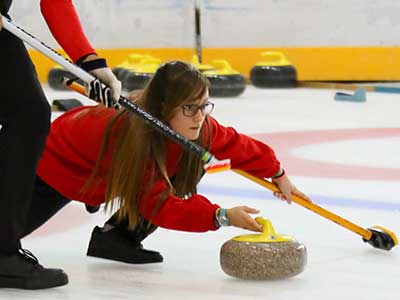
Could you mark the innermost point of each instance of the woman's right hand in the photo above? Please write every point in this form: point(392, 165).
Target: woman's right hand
point(239, 217)
point(1, 23)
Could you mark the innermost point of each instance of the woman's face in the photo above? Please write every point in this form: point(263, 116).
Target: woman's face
point(188, 118)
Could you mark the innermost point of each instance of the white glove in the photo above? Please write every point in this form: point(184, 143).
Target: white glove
point(107, 77)
point(109, 94)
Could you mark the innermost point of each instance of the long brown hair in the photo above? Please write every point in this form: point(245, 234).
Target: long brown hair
point(139, 151)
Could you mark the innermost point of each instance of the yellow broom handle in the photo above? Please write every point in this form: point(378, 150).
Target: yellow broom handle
point(310, 205)
point(75, 86)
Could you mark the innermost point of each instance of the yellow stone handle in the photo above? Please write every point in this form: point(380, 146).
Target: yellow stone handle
point(267, 236)
point(268, 229)
point(273, 58)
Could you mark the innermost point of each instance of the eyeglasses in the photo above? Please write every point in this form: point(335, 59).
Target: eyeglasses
point(189, 110)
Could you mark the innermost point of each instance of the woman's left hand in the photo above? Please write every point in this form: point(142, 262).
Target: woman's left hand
point(287, 188)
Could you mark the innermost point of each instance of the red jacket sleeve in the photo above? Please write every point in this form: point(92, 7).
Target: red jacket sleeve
point(64, 24)
point(245, 153)
point(194, 214)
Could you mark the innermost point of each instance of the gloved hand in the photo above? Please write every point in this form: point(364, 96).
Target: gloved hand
point(109, 95)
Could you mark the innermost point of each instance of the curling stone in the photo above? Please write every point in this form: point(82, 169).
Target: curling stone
point(120, 69)
point(265, 256)
point(274, 72)
point(224, 81)
point(123, 70)
point(140, 74)
point(56, 76)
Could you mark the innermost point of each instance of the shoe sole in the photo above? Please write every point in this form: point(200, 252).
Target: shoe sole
point(18, 283)
point(100, 253)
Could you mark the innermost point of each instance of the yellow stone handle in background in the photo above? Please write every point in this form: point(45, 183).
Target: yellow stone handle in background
point(273, 58)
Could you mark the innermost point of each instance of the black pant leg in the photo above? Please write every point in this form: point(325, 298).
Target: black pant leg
point(46, 202)
point(25, 120)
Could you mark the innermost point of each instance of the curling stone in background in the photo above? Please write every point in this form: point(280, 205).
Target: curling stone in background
point(140, 74)
point(56, 75)
point(120, 69)
point(275, 71)
point(225, 81)
point(264, 256)
point(132, 61)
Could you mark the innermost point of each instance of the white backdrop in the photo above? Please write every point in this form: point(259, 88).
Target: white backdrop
point(227, 23)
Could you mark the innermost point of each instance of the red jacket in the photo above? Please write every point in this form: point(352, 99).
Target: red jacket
point(64, 24)
point(72, 149)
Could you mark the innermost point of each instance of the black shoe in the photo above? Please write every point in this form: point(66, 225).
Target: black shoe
point(23, 271)
point(113, 245)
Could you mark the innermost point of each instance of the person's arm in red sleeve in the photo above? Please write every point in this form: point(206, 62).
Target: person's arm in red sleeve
point(64, 24)
point(195, 214)
point(253, 156)
point(245, 153)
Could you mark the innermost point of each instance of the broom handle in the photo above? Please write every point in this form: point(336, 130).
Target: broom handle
point(310, 205)
point(46, 50)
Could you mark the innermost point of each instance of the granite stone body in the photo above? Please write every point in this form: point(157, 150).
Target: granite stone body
point(263, 260)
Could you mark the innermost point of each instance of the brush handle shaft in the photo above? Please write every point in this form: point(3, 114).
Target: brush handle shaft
point(46, 50)
point(310, 205)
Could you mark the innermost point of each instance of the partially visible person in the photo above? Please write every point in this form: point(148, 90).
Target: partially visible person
point(25, 123)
